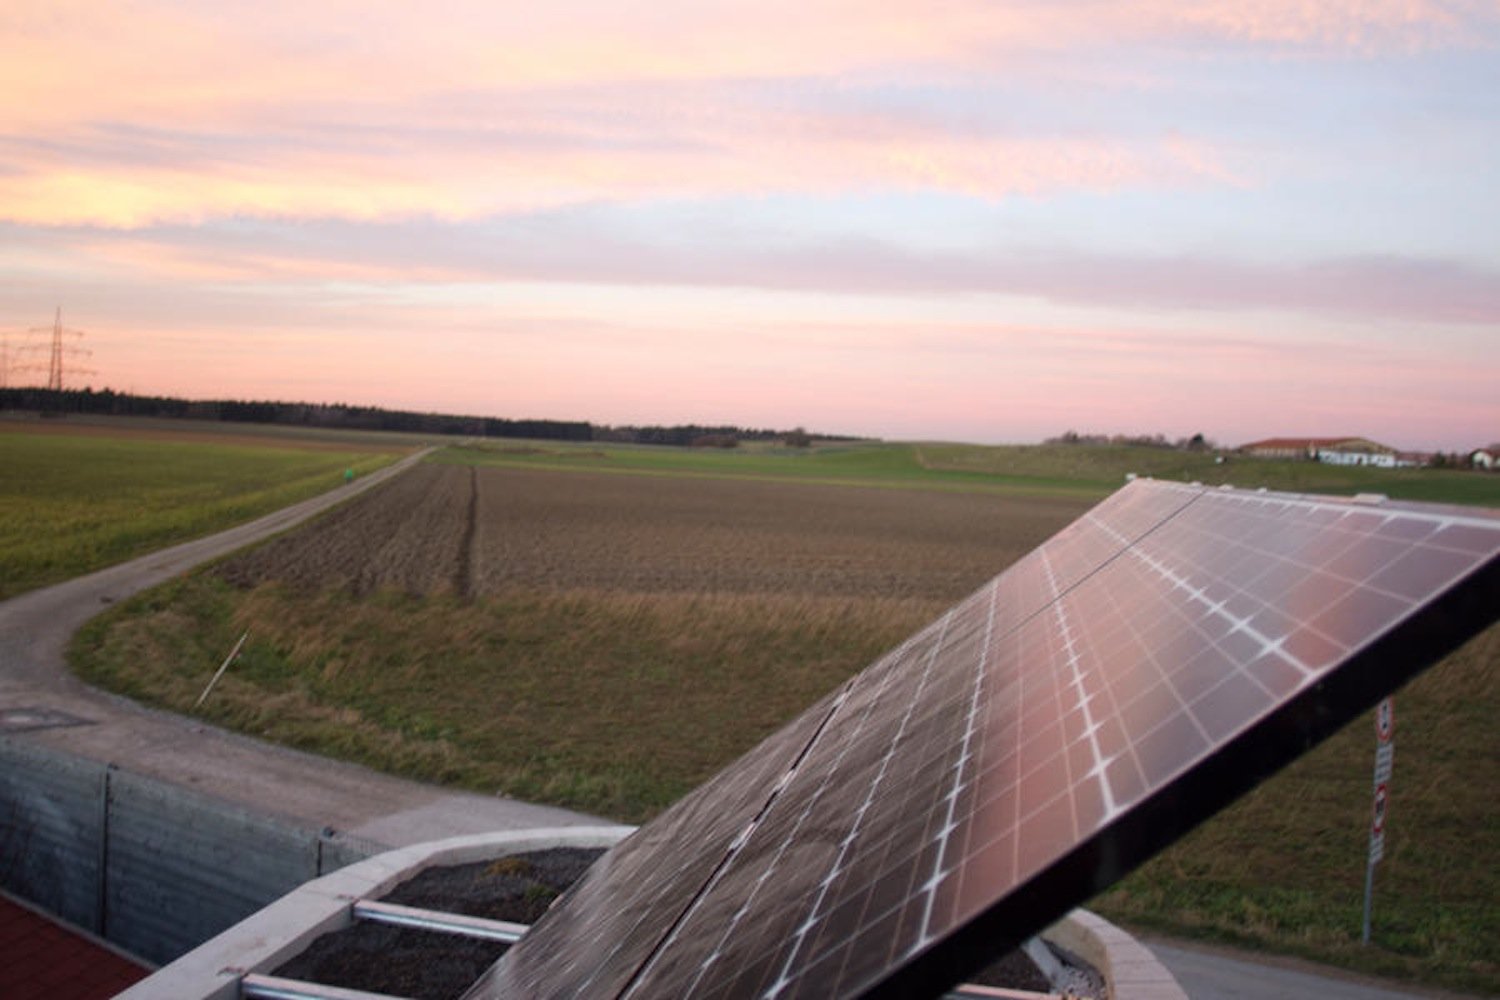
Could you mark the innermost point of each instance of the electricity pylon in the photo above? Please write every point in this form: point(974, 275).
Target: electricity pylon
point(58, 352)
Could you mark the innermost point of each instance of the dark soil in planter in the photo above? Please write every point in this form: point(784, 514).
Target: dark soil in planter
point(425, 965)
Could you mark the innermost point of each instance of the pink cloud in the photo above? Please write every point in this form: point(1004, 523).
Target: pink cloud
point(591, 251)
point(695, 147)
point(1362, 26)
point(204, 63)
point(243, 94)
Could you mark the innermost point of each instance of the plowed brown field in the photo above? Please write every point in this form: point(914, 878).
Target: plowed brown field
point(479, 531)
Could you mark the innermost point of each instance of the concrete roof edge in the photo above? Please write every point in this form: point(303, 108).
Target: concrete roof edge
point(1131, 971)
point(275, 933)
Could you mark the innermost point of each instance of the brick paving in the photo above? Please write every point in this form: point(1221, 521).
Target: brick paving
point(44, 960)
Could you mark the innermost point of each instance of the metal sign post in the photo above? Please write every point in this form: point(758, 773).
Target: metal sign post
point(1385, 755)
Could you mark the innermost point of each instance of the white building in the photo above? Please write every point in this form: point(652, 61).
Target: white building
point(1333, 451)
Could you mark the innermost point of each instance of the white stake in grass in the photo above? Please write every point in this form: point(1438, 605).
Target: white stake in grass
point(220, 672)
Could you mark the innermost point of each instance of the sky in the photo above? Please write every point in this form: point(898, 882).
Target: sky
point(962, 220)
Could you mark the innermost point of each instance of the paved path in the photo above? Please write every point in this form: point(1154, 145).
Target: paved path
point(1209, 973)
point(36, 683)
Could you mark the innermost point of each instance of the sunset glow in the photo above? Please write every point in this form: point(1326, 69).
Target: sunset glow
point(975, 221)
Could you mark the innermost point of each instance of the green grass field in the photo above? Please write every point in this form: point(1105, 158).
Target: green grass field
point(73, 503)
point(617, 701)
point(1037, 470)
point(1105, 467)
point(857, 464)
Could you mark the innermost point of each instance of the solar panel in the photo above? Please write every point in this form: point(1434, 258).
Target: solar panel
point(1141, 669)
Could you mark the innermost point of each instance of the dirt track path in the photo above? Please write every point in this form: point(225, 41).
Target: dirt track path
point(42, 703)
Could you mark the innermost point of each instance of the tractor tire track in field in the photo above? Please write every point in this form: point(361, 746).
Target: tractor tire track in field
point(477, 531)
point(463, 577)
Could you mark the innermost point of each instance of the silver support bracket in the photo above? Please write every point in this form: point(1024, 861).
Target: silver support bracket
point(434, 920)
point(253, 985)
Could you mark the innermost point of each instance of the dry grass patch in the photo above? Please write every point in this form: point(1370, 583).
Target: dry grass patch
point(612, 703)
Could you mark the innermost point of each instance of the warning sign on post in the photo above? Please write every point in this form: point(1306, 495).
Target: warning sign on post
point(1377, 824)
point(1385, 721)
point(1385, 755)
point(1385, 759)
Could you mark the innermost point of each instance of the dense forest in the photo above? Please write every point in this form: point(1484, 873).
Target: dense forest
point(107, 401)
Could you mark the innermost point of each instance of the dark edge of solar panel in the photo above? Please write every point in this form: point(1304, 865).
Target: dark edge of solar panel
point(1314, 714)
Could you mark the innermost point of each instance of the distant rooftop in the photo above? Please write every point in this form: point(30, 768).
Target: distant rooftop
point(1314, 444)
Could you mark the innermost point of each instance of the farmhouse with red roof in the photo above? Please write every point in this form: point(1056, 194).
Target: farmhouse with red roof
point(1332, 450)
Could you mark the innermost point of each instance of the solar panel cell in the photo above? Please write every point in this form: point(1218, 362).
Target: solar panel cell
point(1017, 755)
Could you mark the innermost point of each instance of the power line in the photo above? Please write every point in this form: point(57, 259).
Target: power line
point(59, 354)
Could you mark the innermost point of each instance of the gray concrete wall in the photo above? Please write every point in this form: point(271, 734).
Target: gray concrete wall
point(152, 867)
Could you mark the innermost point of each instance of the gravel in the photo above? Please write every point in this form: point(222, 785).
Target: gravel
point(424, 965)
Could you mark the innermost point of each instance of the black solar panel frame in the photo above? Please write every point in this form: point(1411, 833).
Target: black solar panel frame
point(1299, 724)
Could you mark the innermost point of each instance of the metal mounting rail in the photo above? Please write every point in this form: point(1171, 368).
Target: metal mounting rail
point(435, 920)
point(253, 985)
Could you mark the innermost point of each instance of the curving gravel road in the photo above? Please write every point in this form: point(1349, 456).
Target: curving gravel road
point(43, 703)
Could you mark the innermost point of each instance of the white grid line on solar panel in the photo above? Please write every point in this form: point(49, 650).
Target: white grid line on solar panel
point(1438, 515)
point(962, 786)
point(732, 925)
point(1035, 761)
point(1178, 727)
point(965, 754)
point(987, 849)
point(906, 645)
point(1238, 623)
point(1296, 597)
point(807, 925)
point(798, 885)
point(1429, 556)
point(1130, 507)
point(1075, 545)
point(625, 893)
point(1025, 781)
point(1263, 663)
point(1091, 727)
point(1082, 547)
point(862, 888)
point(1147, 693)
point(663, 961)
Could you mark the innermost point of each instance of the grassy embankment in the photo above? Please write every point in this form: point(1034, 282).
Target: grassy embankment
point(883, 465)
point(416, 685)
point(1106, 467)
point(71, 503)
point(612, 703)
point(1039, 470)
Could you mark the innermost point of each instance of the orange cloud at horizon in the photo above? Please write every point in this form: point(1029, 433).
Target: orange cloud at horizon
point(776, 154)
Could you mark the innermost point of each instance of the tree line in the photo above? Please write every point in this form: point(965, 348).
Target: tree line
point(53, 402)
point(1195, 443)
